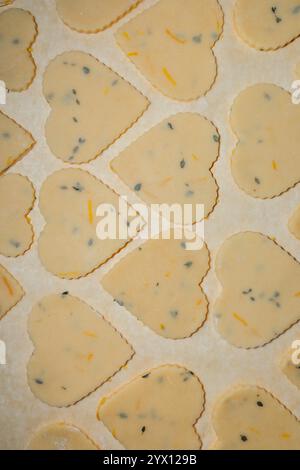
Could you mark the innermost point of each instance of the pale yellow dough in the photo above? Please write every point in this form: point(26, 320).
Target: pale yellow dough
point(265, 162)
point(91, 16)
point(267, 24)
point(298, 71)
point(61, 436)
point(15, 142)
point(69, 246)
point(17, 197)
point(76, 350)
point(250, 418)
point(91, 106)
point(171, 44)
point(290, 368)
point(11, 291)
point(172, 162)
point(157, 410)
point(163, 288)
point(261, 290)
point(294, 223)
point(18, 31)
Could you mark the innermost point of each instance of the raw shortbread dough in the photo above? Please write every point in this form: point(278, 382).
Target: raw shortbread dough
point(18, 31)
point(163, 288)
point(91, 106)
point(15, 142)
point(91, 16)
point(17, 197)
point(69, 246)
point(10, 291)
point(298, 71)
point(250, 418)
point(157, 410)
point(265, 162)
point(171, 44)
point(61, 436)
point(294, 223)
point(261, 290)
point(182, 150)
point(290, 364)
point(267, 24)
point(76, 350)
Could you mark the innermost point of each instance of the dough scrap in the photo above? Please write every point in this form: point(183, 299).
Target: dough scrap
point(15, 142)
point(261, 284)
point(91, 106)
point(11, 292)
point(18, 31)
point(265, 162)
point(95, 15)
point(289, 368)
point(294, 223)
point(157, 410)
point(182, 149)
point(76, 350)
point(171, 44)
point(267, 24)
point(17, 198)
point(69, 246)
point(61, 436)
point(163, 289)
point(250, 418)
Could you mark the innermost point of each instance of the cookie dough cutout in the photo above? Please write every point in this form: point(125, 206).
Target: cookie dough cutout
point(182, 149)
point(163, 289)
point(91, 106)
point(17, 197)
point(69, 246)
point(294, 223)
point(61, 436)
point(18, 31)
point(157, 410)
point(76, 350)
point(92, 16)
point(11, 292)
point(250, 418)
point(267, 24)
point(15, 142)
point(260, 298)
point(290, 364)
point(265, 162)
point(171, 44)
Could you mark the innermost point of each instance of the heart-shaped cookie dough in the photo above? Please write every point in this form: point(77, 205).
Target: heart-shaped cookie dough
point(10, 291)
point(157, 410)
point(15, 142)
point(163, 288)
point(250, 418)
point(76, 350)
point(261, 283)
point(91, 106)
point(294, 223)
point(182, 149)
point(171, 44)
point(92, 16)
point(17, 197)
point(290, 363)
point(18, 31)
point(69, 246)
point(61, 436)
point(266, 162)
point(267, 24)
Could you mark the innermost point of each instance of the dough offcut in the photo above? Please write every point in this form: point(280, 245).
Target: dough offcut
point(61, 436)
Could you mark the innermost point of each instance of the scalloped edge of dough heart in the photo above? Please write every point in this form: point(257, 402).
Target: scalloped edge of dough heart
point(238, 141)
point(104, 28)
point(147, 327)
point(220, 399)
point(18, 300)
point(250, 44)
point(137, 376)
point(274, 240)
point(25, 151)
point(101, 315)
point(132, 124)
point(154, 87)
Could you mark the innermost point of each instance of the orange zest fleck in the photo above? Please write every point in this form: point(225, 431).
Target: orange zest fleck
point(240, 319)
point(166, 180)
point(174, 37)
point(274, 165)
point(91, 334)
point(285, 435)
point(195, 157)
point(162, 326)
point(90, 356)
point(114, 433)
point(106, 90)
point(126, 35)
point(169, 76)
point(133, 54)
point(167, 275)
point(7, 285)
point(199, 302)
point(90, 211)
point(297, 294)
